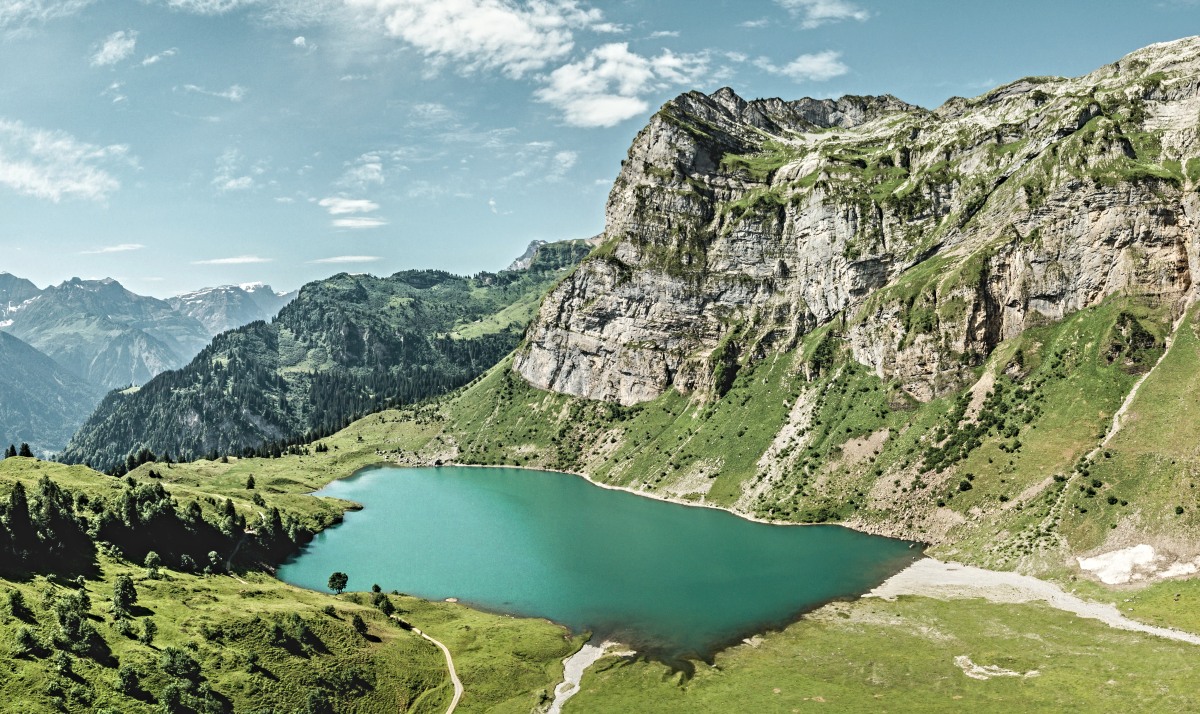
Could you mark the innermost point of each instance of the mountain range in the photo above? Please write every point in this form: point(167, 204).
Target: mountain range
point(346, 346)
point(229, 306)
point(74, 341)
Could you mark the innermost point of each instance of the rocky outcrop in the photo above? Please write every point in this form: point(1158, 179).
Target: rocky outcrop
point(736, 227)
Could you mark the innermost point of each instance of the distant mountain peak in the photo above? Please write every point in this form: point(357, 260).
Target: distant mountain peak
point(526, 258)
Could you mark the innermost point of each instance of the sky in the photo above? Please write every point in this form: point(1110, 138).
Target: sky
point(176, 144)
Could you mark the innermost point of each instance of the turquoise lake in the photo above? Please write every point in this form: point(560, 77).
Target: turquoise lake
point(675, 580)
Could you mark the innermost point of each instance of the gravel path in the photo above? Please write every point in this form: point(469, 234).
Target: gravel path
point(933, 578)
point(458, 685)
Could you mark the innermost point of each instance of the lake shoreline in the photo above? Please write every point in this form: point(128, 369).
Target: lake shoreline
point(656, 497)
point(808, 567)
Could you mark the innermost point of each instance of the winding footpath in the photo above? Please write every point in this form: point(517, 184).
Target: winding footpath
point(458, 685)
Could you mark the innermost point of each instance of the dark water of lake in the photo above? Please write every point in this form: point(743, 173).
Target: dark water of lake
point(674, 580)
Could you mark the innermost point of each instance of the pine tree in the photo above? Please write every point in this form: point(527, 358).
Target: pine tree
point(25, 450)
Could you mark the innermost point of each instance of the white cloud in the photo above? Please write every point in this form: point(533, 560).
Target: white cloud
point(364, 171)
point(563, 161)
point(608, 85)
point(21, 13)
point(122, 248)
point(755, 24)
point(814, 13)
point(230, 174)
point(338, 206)
point(114, 48)
point(664, 33)
point(492, 206)
point(54, 165)
point(430, 114)
point(300, 42)
point(358, 222)
point(208, 7)
point(508, 35)
point(236, 260)
point(114, 91)
point(155, 59)
point(235, 93)
point(342, 259)
point(285, 13)
point(816, 67)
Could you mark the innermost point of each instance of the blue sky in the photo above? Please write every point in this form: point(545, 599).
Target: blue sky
point(174, 144)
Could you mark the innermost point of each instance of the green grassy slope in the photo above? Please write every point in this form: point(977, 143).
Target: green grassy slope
point(258, 645)
point(878, 656)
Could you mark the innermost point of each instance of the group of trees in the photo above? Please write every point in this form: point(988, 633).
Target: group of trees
point(55, 530)
point(13, 451)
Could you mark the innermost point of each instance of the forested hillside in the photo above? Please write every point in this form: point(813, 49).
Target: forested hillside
point(347, 346)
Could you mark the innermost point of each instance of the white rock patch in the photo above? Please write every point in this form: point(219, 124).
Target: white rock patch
point(1121, 566)
point(1141, 562)
point(987, 671)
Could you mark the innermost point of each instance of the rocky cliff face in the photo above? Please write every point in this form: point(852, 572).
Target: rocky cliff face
point(926, 237)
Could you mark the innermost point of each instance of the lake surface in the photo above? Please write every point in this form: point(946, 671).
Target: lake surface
point(670, 579)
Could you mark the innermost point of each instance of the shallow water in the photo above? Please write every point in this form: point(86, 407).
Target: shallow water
point(671, 579)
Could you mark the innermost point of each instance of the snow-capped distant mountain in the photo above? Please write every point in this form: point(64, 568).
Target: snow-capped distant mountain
point(13, 292)
point(228, 306)
point(106, 334)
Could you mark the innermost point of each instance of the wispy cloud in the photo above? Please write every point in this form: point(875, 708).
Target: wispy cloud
point(339, 206)
point(816, 67)
point(54, 165)
point(235, 93)
point(343, 259)
point(478, 35)
point(563, 162)
point(358, 222)
point(814, 13)
point(122, 248)
point(114, 48)
point(755, 24)
point(664, 33)
point(115, 91)
point(156, 58)
point(236, 260)
point(304, 43)
point(608, 86)
point(16, 14)
point(208, 7)
point(231, 173)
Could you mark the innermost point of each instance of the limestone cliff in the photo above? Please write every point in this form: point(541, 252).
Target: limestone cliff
point(927, 237)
